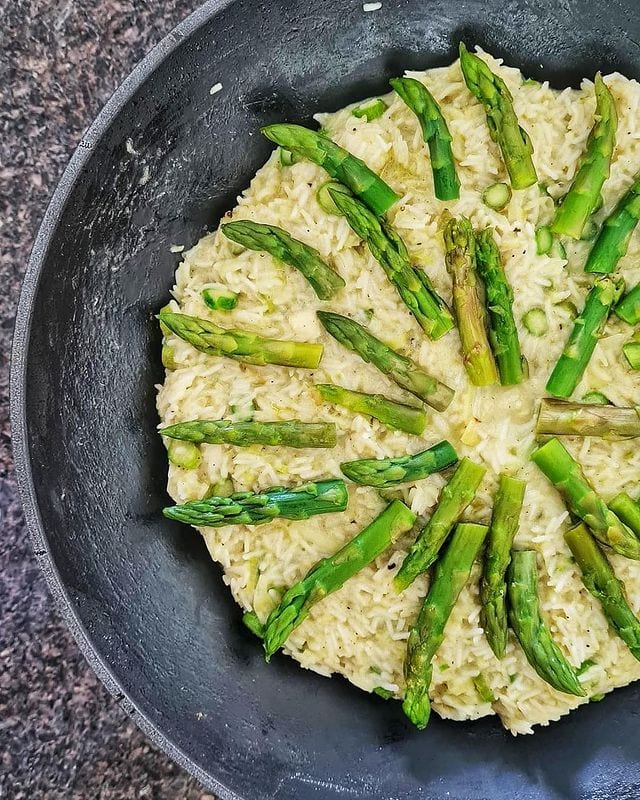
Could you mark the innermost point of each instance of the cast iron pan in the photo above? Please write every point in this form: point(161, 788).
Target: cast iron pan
point(147, 606)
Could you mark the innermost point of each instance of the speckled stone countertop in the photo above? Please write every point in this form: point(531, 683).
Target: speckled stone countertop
point(61, 734)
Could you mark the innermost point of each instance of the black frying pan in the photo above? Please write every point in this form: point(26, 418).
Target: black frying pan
point(140, 594)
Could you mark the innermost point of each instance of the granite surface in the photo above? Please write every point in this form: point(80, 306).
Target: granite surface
point(61, 734)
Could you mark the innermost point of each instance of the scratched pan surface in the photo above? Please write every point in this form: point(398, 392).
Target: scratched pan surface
point(147, 606)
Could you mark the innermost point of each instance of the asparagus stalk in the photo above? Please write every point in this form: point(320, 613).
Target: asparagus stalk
point(566, 475)
point(628, 309)
point(587, 329)
point(497, 557)
point(450, 576)
point(244, 346)
point(338, 162)
point(394, 415)
point(504, 128)
point(559, 418)
point(583, 196)
point(460, 259)
point(250, 508)
point(402, 370)
point(627, 510)
point(453, 500)
point(278, 243)
point(434, 132)
point(503, 333)
point(541, 651)
point(385, 472)
point(329, 574)
point(289, 433)
point(615, 234)
point(600, 579)
point(413, 285)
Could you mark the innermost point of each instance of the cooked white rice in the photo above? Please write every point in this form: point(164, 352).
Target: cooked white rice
point(361, 630)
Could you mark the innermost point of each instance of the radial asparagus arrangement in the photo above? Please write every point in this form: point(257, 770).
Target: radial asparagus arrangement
point(454, 499)
point(413, 285)
point(460, 257)
point(600, 579)
point(613, 240)
point(329, 574)
point(251, 508)
point(493, 586)
point(584, 194)
point(244, 346)
point(628, 309)
point(504, 128)
point(560, 418)
point(394, 415)
point(524, 617)
point(434, 132)
point(385, 472)
point(450, 576)
point(337, 161)
point(278, 243)
point(503, 333)
point(583, 501)
point(627, 510)
point(289, 433)
point(402, 370)
point(588, 327)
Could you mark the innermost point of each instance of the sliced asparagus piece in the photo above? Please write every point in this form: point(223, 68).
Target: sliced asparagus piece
point(627, 510)
point(184, 455)
point(535, 321)
point(220, 299)
point(587, 329)
point(244, 346)
point(628, 309)
point(329, 574)
point(631, 351)
point(337, 161)
point(504, 128)
point(371, 110)
point(544, 240)
point(402, 370)
point(413, 285)
point(503, 333)
point(454, 499)
point(595, 398)
point(541, 651)
point(566, 475)
point(576, 207)
point(250, 508)
point(600, 579)
point(394, 415)
point(289, 433)
point(559, 418)
point(497, 196)
point(385, 472)
point(460, 258)
point(613, 240)
point(434, 132)
point(450, 576)
point(278, 243)
point(493, 586)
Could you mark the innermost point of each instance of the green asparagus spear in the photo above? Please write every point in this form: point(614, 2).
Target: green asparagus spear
point(338, 162)
point(413, 285)
point(434, 132)
point(601, 581)
point(402, 370)
point(615, 234)
point(329, 574)
point(250, 508)
point(454, 499)
point(497, 557)
point(460, 259)
point(289, 433)
point(278, 243)
point(503, 333)
point(627, 510)
point(503, 124)
point(541, 651)
point(249, 347)
point(385, 472)
point(566, 475)
point(580, 202)
point(450, 576)
point(628, 309)
point(559, 418)
point(587, 329)
point(394, 415)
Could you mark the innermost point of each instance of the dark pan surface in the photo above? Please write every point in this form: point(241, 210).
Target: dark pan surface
point(147, 606)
